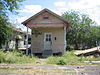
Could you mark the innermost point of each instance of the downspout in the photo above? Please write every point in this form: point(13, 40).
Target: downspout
point(65, 39)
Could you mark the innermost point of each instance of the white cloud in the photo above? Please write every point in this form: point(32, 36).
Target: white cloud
point(94, 14)
point(90, 7)
point(21, 19)
point(18, 24)
point(59, 3)
point(56, 11)
point(83, 4)
point(31, 8)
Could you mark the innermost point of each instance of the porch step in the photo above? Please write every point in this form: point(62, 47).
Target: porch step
point(47, 53)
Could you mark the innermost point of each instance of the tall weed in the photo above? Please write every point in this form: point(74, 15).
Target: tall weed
point(15, 57)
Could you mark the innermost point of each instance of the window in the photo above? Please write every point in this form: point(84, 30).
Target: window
point(48, 37)
point(45, 17)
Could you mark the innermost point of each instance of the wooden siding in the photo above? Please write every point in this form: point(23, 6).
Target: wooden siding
point(57, 45)
point(39, 21)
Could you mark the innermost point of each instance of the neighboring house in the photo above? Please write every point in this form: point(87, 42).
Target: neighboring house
point(18, 38)
point(18, 34)
point(48, 33)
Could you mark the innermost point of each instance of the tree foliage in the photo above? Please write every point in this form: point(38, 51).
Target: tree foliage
point(9, 5)
point(6, 6)
point(5, 30)
point(82, 30)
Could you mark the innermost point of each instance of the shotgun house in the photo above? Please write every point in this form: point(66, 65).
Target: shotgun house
point(18, 39)
point(48, 33)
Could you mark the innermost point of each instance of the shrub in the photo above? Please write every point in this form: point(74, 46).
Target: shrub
point(61, 61)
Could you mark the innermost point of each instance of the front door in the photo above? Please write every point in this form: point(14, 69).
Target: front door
point(47, 41)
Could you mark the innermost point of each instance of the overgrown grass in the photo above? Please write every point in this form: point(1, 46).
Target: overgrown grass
point(15, 57)
point(70, 59)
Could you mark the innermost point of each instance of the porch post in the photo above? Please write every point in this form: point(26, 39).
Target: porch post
point(65, 39)
point(27, 42)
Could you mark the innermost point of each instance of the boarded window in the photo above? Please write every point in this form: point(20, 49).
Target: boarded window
point(45, 17)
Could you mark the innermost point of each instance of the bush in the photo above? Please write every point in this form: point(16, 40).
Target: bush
point(61, 61)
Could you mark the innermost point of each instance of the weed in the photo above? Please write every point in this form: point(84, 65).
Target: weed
point(70, 59)
point(15, 57)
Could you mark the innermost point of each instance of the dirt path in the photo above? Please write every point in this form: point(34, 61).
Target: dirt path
point(34, 70)
point(48, 70)
point(88, 70)
point(40, 62)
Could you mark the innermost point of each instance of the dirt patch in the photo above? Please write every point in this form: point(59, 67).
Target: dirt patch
point(35, 71)
point(40, 61)
point(48, 70)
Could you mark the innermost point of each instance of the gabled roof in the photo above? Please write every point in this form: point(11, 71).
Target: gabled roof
point(45, 10)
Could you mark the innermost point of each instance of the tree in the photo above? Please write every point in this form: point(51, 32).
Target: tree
point(6, 6)
point(5, 30)
point(94, 35)
point(9, 5)
point(80, 30)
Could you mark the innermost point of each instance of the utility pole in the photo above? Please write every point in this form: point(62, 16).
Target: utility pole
point(65, 43)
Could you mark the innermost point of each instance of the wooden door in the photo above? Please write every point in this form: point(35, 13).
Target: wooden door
point(47, 41)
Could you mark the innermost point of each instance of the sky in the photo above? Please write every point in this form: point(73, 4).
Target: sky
point(30, 7)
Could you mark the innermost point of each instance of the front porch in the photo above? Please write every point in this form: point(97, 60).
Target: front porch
point(46, 41)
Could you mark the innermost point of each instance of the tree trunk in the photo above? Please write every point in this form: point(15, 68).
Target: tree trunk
point(16, 45)
point(7, 46)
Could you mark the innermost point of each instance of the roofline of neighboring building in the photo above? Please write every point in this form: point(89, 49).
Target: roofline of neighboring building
point(19, 30)
point(44, 10)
